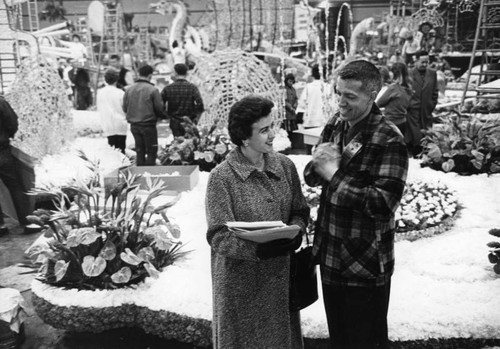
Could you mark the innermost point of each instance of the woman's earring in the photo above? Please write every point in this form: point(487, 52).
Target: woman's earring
point(245, 144)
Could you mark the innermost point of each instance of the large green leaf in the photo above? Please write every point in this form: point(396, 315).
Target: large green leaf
point(60, 269)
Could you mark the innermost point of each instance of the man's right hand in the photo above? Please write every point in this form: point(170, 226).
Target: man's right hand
point(326, 160)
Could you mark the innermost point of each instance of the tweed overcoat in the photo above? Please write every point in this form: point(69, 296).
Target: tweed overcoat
point(251, 296)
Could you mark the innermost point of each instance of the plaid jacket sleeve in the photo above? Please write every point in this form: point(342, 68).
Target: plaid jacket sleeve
point(373, 182)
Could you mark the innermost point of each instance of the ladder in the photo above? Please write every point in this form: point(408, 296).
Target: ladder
point(488, 27)
point(114, 30)
point(34, 23)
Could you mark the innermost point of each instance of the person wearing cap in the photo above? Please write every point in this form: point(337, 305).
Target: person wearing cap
point(109, 106)
point(291, 101)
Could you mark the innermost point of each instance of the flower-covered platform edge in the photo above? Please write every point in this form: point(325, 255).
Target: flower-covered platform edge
point(413, 235)
point(161, 323)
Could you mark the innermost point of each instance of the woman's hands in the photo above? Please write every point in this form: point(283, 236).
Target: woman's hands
point(277, 248)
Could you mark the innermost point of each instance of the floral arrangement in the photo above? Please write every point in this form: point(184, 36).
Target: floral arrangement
point(465, 146)
point(38, 97)
point(494, 254)
point(105, 239)
point(426, 208)
point(204, 146)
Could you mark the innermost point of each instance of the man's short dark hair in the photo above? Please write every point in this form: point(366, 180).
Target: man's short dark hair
point(146, 71)
point(115, 56)
point(364, 71)
point(421, 53)
point(244, 113)
point(180, 69)
point(111, 76)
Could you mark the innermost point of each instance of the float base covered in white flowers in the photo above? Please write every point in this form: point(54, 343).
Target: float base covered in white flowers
point(443, 286)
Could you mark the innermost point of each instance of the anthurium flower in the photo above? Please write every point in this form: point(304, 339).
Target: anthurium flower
point(174, 229)
point(220, 148)
point(60, 269)
point(146, 254)
point(209, 156)
point(130, 257)
point(155, 274)
point(122, 276)
point(93, 266)
point(163, 242)
point(108, 251)
point(198, 155)
point(84, 236)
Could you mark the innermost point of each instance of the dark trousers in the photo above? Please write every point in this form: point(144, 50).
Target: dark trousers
point(176, 127)
point(357, 316)
point(118, 142)
point(11, 178)
point(146, 144)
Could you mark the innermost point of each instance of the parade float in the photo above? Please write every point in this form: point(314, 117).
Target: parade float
point(443, 286)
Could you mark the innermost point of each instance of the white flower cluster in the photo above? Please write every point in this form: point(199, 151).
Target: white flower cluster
point(425, 205)
point(312, 195)
point(281, 141)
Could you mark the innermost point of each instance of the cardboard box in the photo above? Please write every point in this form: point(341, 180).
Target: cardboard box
point(175, 178)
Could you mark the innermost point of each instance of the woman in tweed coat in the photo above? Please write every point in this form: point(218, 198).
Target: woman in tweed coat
point(251, 281)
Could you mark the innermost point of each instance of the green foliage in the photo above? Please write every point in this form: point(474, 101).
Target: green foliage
point(105, 239)
point(204, 146)
point(494, 254)
point(466, 146)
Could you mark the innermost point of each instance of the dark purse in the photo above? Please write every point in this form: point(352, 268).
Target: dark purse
point(303, 279)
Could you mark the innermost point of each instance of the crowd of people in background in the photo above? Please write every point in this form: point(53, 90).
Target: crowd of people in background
point(413, 77)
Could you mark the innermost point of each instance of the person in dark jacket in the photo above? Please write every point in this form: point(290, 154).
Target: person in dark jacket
point(291, 102)
point(82, 92)
point(361, 163)
point(423, 101)
point(396, 97)
point(182, 98)
point(125, 77)
point(143, 106)
point(8, 172)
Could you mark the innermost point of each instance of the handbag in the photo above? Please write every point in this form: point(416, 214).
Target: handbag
point(303, 278)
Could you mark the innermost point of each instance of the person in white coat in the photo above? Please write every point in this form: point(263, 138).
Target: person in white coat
point(109, 105)
point(313, 101)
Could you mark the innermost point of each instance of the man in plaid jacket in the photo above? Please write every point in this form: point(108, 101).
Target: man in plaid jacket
point(361, 162)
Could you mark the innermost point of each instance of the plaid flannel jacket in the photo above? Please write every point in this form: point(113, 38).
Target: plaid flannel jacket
point(183, 98)
point(354, 237)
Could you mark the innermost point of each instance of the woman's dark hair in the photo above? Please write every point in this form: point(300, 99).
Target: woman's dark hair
point(400, 69)
point(244, 114)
